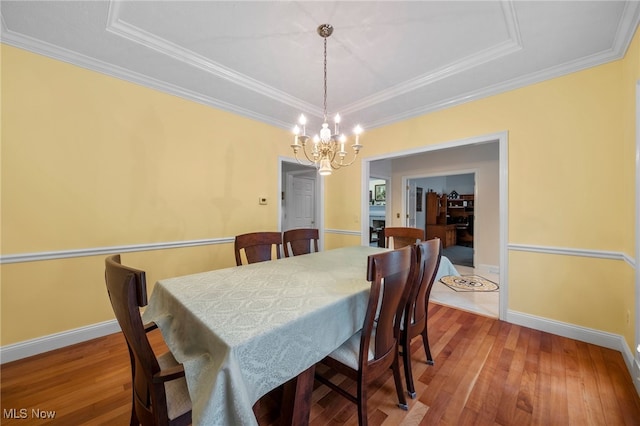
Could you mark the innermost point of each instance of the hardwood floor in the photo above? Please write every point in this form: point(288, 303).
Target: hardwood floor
point(486, 372)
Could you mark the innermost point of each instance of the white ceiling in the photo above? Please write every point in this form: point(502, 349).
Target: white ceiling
point(387, 60)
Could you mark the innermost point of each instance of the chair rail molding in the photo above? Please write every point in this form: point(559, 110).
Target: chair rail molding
point(566, 251)
point(98, 251)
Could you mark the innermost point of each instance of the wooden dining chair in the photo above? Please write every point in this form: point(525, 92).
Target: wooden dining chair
point(402, 236)
point(374, 349)
point(301, 241)
point(414, 321)
point(159, 389)
point(258, 246)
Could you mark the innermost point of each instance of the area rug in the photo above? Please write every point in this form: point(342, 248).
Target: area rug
point(469, 283)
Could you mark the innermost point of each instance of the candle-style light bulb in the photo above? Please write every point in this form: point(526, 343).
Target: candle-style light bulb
point(357, 130)
point(336, 119)
point(303, 122)
point(296, 132)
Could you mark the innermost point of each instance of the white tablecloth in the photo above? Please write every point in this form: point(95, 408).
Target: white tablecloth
point(445, 268)
point(241, 332)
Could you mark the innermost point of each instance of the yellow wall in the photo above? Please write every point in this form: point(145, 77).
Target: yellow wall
point(571, 185)
point(92, 161)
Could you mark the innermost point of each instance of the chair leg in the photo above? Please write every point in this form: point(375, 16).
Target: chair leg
point(408, 375)
point(362, 405)
point(402, 401)
point(425, 341)
point(134, 419)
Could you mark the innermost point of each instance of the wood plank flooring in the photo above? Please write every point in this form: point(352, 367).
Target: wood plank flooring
point(486, 372)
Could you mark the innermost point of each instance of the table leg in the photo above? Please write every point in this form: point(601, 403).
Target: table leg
point(296, 399)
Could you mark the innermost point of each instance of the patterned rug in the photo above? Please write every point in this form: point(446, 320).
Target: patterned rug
point(469, 283)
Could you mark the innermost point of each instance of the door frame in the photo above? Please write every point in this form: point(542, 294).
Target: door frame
point(319, 198)
point(474, 172)
point(503, 166)
point(636, 352)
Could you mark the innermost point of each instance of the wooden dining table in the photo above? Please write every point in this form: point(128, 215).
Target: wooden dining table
point(241, 332)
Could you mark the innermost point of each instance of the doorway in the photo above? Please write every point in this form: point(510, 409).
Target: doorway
point(377, 211)
point(443, 206)
point(491, 249)
point(301, 197)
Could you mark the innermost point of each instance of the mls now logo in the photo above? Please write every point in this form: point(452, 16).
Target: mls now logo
point(15, 413)
point(23, 413)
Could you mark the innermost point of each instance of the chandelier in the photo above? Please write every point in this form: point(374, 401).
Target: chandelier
point(326, 151)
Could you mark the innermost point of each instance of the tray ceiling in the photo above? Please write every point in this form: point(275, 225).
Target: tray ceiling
point(387, 60)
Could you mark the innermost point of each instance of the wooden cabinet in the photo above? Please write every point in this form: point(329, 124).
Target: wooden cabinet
point(446, 233)
point(449, 219)
point(461, 214)
point(459, 209)
point(432, 208)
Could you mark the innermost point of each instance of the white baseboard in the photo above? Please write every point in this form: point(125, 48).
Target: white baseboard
point(583, 334)
point(492, 269)
point(48, 343)
point(636, 376)
point(608, 340)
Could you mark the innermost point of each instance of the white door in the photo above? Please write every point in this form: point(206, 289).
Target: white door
point(300, 206)
point(411, 204)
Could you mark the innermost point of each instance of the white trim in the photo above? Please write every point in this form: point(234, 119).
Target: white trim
point(52, 51)
point(600, 254)
point(503, 183)
point(48, 343)
point(65, 254)
point(502, 139)
point(509, 46)
point(513, 42)
point(344, 232)
point(136, 35)
point(571, 331)
point(492, 269)
point(636, 372)
point(319, 202)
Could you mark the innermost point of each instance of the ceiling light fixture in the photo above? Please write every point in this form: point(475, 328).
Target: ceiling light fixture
point(326, 151)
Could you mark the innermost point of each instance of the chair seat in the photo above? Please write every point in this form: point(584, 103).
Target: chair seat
point(349, 352)
point(178, 400)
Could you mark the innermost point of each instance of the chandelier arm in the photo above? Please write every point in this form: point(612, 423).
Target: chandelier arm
point(343, 164)
point(306, 154)
point(308, 163)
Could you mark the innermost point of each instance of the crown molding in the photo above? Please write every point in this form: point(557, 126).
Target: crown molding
point(115, 25)
point(56, 52)
point(512, 44)
point(130, 32)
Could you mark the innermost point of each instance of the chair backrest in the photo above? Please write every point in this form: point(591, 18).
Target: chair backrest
point(390, 274)
point(258, 246)
point(402, 236)
point(428, 258)
point(301, 241)
point(127, 288)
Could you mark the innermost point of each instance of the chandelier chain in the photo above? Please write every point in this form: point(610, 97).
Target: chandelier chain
point(325, 79)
